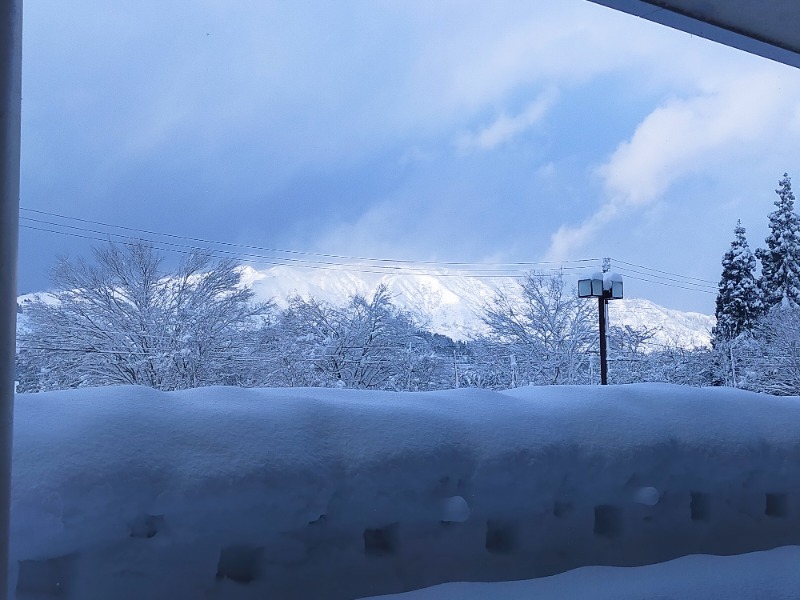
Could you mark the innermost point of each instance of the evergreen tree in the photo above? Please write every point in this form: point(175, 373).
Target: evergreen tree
point(780, 261)
point(738, 300)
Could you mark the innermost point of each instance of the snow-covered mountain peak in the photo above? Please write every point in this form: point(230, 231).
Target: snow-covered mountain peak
point(450, 302)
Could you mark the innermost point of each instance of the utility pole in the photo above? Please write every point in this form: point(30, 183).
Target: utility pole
point(604, 286)
point(601, 311)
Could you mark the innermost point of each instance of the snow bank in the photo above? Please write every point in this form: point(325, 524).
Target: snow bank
point(772, 574)
point(314, 493)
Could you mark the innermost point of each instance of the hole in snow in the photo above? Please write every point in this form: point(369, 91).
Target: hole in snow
point(47, 578)
point(607, 520)
point(239, 563)
point(501, 537)
point(145, 526)
point(381, 542)
point(777, 505)
point(562, 509)
point(700, 506)
point(455, 510)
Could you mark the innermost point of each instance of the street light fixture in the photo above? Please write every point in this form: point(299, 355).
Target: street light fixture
point(604, 287)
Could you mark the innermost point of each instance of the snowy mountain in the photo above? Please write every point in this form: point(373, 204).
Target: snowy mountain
point(449, 302)
point(675, 327)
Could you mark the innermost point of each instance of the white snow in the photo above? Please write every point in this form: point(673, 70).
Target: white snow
point(674, 328)
point(130, 493)
point(649, 496)
point(449, 302)
point(455, 510)
point(770, 575)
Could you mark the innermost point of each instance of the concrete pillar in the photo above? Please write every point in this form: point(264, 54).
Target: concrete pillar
point(10, 99)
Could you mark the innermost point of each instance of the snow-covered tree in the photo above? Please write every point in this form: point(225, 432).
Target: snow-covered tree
point(367, 344)
point(547, 329)
point(769, 361)
point(629, 359)
point(486, 362)
point(126, 320)
point(674, 364)
point(780, 260)
point(738, 300)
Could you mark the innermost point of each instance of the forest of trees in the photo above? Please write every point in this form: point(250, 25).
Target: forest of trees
point(125, 319)
point(756, 340)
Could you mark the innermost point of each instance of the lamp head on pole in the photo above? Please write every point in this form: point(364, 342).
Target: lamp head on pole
point(591, 287)
point(601, 285)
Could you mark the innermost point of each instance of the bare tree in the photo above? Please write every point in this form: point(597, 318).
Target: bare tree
point(547, 329)
point(367, 344)
point(123, 319)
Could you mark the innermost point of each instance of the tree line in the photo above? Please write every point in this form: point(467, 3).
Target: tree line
point(756, 339)
point(123, 318)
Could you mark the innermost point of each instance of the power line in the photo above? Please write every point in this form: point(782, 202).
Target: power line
point(271, 261)
point(708, 281)
point(391, 261)
point(359, 264)
point(668, 279)
point(672, 285)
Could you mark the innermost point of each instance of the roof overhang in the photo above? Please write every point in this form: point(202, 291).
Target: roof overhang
point(768, 28)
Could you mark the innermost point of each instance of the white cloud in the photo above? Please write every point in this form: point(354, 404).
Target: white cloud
point(567, 241)
point(683, 137)
point(506, 127)
point(546, 171)
point(687, 136)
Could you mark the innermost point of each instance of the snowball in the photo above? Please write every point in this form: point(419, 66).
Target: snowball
point(455, 510)
point(648, 496)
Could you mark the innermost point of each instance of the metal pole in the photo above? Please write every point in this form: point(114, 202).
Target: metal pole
point(601, 309)
point(10, 100)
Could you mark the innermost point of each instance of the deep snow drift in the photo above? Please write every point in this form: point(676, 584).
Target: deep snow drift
point(314, 493)
point(769, 575)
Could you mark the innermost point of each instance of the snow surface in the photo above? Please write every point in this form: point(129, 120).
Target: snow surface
point(770, 575)
point(127, 492)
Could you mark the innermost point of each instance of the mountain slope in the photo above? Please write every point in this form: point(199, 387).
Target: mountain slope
point(450, 303)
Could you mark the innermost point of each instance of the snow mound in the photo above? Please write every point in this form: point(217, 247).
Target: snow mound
point(772, 574)
point(131, 493)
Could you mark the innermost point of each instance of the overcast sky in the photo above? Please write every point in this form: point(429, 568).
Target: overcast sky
point(428, 131)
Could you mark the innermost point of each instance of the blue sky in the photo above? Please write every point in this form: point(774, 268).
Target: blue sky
point(450, 131)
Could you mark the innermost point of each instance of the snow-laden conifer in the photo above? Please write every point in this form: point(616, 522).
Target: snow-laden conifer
point(780, 260)
point(738, 300)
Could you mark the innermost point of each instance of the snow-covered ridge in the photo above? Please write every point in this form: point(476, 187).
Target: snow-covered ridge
point(131, 493)
point(450, 303)
point(674, 327)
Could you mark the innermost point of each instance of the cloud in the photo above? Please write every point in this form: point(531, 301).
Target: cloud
point(567, 241)
point(684, 137)
point(505, 127)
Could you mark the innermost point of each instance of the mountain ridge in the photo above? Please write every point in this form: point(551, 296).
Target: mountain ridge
point(449, 302)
